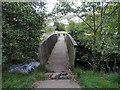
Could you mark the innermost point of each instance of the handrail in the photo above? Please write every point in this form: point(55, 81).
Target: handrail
point(71, 47)
point(45, 48)
point(73, 41)
point(46, 38)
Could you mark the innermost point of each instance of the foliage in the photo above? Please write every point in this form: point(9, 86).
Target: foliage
point(49, 29)
point(22, 30)
point(90, 79)
point(100, 40)
point(15, 80)
point(61, 8)
point(96, 34)
point(59, 26)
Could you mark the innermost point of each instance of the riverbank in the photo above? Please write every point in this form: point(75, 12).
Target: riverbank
point(17, 80)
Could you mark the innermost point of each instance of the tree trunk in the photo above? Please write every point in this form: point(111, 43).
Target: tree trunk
point(94, 42)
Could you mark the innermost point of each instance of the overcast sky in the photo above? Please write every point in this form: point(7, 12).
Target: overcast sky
point(51, 3)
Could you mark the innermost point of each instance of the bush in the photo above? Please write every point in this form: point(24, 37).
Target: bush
point(21, 31)
point(106, 48)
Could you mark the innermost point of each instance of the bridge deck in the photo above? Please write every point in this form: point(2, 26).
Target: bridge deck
point(59, 57)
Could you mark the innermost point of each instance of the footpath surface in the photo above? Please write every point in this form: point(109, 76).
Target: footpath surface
point(61, 77)
point(59, 58)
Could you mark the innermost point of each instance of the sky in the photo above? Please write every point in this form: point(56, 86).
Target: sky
point(50, 5)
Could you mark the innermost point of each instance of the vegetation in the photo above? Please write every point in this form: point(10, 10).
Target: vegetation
point(59, 26)
point(97, 36)
point(22, 30)
point(90, 79)
point(49, 29)
point(98, 41)
point(16, 80)
point(61, 8)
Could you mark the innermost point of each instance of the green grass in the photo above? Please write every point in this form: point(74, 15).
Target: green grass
point(16, 80)
point(90, 79)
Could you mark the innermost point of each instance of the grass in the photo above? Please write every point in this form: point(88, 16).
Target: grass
point(16, 80)
point(90, 79)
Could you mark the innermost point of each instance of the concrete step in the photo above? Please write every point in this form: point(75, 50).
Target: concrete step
point(62, 75)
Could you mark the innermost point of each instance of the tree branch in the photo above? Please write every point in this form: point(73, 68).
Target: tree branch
point(105, 8)
point(114, 10)
point(102, 13)
point(85, 21)
point(108, 16)
point(88, 23)
point(94, 18)
point(90, 64)
point(102, 17)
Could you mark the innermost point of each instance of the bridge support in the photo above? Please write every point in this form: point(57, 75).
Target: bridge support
point(45, 48)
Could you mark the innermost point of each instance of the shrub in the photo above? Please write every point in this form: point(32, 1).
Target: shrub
point(21, 30)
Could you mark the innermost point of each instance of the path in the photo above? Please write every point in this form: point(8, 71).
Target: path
point(56, 84)
point(58, 59)
point(61, 77)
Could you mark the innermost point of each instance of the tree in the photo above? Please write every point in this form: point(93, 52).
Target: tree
point(59, 26)
point(22, 30)
point(95, 16)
